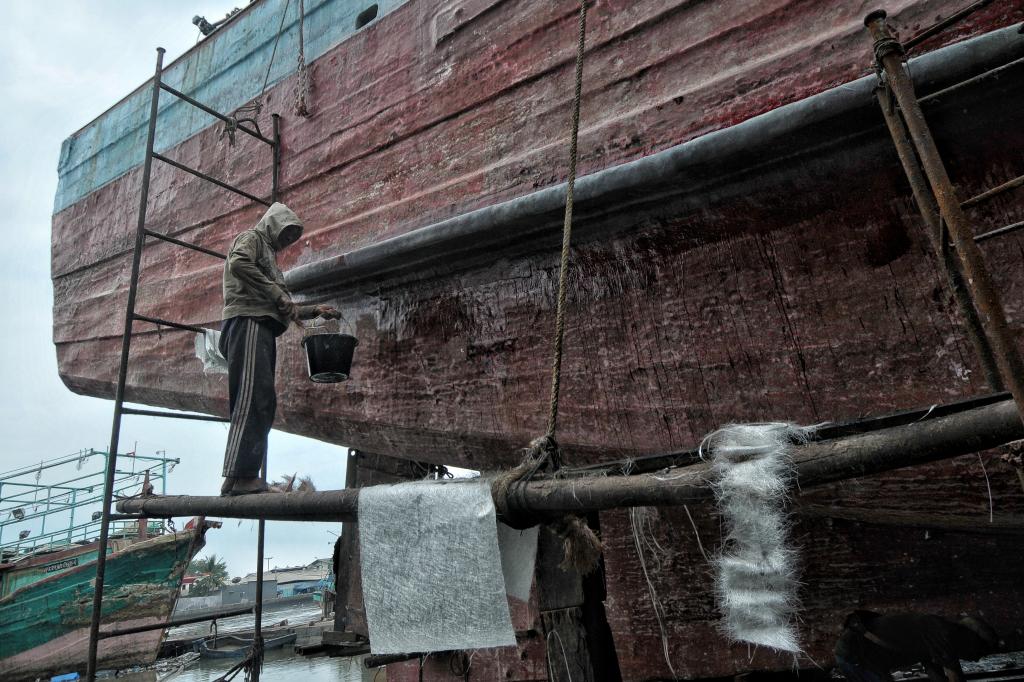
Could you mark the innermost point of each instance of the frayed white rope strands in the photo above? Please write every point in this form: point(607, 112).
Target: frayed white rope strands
point(756, 568)
point(641, 518)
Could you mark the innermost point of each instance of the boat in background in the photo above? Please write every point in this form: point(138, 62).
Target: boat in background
point(46, 578)
point(233, 646)
point(724, 152)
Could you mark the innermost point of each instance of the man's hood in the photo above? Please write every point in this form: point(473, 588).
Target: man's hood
point(277, 217)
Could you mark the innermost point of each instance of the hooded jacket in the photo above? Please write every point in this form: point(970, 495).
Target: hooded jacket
point(253, 284)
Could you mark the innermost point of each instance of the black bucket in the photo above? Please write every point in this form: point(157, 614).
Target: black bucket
point(329, 356)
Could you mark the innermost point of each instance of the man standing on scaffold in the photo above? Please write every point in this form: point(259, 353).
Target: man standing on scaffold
point(257, 309)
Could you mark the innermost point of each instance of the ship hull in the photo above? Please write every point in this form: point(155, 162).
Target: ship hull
point(453, 357)
point(44, 625)
point(745, 249)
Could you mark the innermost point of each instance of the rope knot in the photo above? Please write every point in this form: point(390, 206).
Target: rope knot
point(582, 545)
point(885, 46)
point(544, 452)
point(508, 489)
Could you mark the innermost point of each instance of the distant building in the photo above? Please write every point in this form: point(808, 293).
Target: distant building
point(245, 591)
point(293, 580)
point(186, 584)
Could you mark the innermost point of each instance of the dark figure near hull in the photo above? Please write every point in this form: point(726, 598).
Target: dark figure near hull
point(873, 644)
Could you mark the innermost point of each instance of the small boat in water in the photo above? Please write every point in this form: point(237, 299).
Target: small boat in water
point(232, 646)
point(47, 575)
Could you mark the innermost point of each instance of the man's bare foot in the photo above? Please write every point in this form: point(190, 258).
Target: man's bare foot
point(248, 486)
point(225, 487)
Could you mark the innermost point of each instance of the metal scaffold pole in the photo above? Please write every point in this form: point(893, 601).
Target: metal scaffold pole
point(122, 374)
point(889, 55)
point(131, 317)
point(257, 643)
point(926, 435)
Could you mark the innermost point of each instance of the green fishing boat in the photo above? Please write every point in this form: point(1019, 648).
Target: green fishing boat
point(47, 579)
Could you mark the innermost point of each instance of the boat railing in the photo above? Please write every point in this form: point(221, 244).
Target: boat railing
point(24, 498)
point(80, 534)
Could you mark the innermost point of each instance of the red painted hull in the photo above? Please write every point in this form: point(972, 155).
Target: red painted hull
point(787, 288)
point(455, 370)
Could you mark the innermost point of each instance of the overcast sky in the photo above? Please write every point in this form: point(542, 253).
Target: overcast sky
point(62, 63)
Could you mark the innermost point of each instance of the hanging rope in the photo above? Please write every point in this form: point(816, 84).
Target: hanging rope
point(556, 366)
point(302, 83)
point(581, 544)
point(248, 113)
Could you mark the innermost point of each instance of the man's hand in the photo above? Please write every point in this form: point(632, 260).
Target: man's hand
point(327, 312)
point(309, 312)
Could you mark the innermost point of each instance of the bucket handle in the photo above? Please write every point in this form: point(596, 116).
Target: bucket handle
point(323, 327)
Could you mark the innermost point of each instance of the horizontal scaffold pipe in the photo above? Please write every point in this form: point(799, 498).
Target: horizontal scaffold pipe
point(816, 463)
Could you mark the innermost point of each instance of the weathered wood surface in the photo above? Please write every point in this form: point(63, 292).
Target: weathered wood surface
point(797, 288)
point(922, 564)
point(725, 310)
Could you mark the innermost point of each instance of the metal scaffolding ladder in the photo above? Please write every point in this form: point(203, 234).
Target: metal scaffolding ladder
point(132, 316)
point(942, 211)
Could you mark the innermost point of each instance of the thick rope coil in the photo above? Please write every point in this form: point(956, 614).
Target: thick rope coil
point(508, 488)
point(582, 545)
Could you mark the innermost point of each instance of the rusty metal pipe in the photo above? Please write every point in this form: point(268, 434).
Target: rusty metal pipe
point(1006, 229)
point(92, 656)
point(941, 26)
point(991, 74)
point(209, 178)
point(926, 206)
point(999, 189)
point(816, 463)
point(889, 55)
point(106, 634)
point(187, 245)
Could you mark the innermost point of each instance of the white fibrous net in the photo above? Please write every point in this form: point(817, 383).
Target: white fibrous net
point(756, 568)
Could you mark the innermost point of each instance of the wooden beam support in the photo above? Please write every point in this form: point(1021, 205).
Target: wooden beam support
point(560, 602)
point(816, 463)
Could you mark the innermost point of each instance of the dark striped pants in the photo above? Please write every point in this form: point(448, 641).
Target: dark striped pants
point(250, 347)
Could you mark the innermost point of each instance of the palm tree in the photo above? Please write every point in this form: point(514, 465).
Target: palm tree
point(296, 483)
point(213, 574)
point(212, 567)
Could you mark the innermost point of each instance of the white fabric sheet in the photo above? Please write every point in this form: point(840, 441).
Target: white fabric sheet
point(208, 351)
point(518, 557)
point(431, 570)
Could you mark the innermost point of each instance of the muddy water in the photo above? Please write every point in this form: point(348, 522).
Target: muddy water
point(298, 614)
point(279, 666)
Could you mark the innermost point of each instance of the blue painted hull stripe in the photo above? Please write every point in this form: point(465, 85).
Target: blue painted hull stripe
point(225, 71)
